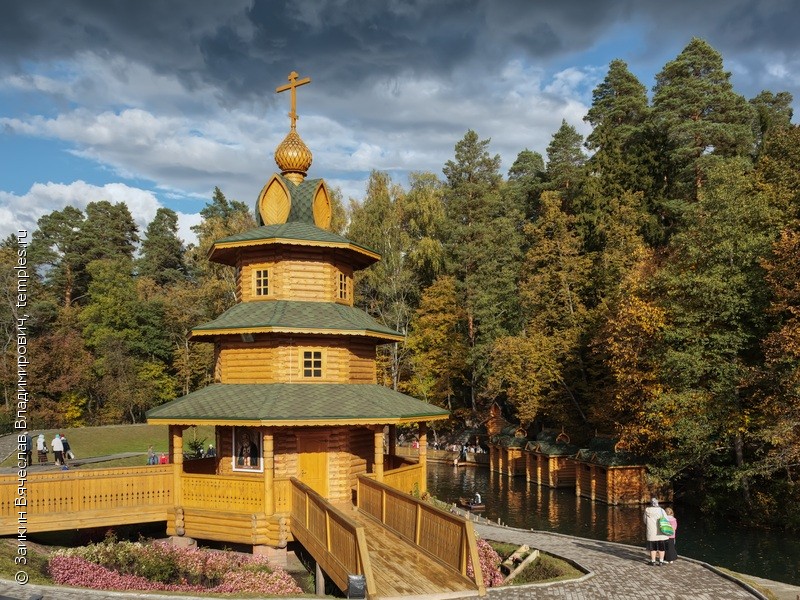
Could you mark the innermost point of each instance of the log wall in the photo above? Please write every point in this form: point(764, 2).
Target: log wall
point(279, 359)
point(300, 273)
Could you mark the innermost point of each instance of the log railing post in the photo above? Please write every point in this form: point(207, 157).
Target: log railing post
point(423, 458)
point(269, 473)
point(378, 466)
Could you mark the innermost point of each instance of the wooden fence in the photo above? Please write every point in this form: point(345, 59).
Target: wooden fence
point(449, 539)
point(336, 542)
point(217, 492)
point(94, 498)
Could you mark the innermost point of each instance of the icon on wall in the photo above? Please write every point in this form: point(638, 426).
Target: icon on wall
point(247, 449)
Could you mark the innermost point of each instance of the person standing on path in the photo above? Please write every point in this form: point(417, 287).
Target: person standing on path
point(41, 449)
point(671, 554)
point(68, 455)
point(656, 541)
point(152, 459)
point(58, 450)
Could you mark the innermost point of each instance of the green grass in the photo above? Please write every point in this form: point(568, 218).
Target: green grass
point(769, 594)
point(88, 442)
point(36, 568)
point(546, 568)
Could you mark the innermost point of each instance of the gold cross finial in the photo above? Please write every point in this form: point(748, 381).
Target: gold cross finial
point(293, 84)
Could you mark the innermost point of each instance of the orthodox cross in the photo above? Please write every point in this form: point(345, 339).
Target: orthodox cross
point(293, 85)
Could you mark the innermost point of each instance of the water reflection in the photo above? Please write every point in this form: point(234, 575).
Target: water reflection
point(514, 502)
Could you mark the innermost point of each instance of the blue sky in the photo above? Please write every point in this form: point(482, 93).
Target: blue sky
point(155, 103)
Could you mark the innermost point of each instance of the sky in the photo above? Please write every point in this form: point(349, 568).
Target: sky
point(155, 103)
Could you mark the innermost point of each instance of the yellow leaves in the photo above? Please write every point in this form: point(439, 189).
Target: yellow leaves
point(525, 368)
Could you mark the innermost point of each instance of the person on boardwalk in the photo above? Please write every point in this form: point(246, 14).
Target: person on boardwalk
point(152, 459)
point(671, 555)
point(58, 450)
point(656, 541)
point(41, 449)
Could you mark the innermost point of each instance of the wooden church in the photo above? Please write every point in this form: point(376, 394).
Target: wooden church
point(295, 392)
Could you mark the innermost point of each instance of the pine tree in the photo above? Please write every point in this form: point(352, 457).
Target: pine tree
point(526, 181)
point(109, 232)
point(618, 115)
point(565, 161)
point(162, 251)
point(217, 283)
point(57, 250)
point(482, 247)
point(702, 118)
point(771, 113)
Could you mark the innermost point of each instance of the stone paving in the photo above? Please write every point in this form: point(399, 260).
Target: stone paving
point(614, 571)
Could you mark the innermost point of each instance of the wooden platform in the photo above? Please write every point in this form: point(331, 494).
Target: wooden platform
point(400, 570)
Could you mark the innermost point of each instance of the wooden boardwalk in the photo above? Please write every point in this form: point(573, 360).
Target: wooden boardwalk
point(402, 570)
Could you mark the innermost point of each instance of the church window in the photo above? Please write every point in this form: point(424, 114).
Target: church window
point(261, 282)
point(344, 287)
point(312, 363)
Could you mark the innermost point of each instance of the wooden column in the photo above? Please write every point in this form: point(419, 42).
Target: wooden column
point(268, 445)
point(423, 457)
point(176, 435)
point(392, 440)
point(378, 466)
point(176, 447)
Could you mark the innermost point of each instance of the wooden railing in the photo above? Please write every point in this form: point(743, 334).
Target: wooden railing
point(336, 542)
point(282, 494)
point(217, 492)
point(405, 479)
point(95, 497)
point(449, 539)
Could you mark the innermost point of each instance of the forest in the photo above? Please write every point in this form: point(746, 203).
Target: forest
point(641, 283)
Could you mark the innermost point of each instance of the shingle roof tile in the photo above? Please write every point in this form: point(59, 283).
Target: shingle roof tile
point(297, 316)
point(287, 403)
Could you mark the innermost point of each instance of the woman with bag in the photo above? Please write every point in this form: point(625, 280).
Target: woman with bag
point(656, 540)
point(671, 555)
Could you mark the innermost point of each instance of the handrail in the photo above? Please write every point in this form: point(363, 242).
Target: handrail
point(337, 542)
point(97, 492)
point(447, 538)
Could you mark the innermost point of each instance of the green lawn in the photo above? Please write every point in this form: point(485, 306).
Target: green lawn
point(87, 442)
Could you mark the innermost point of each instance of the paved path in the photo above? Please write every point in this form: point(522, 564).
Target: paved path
point(615, 571)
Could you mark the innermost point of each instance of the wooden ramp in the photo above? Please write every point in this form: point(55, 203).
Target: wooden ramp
point(403, 547)
point(400, 569)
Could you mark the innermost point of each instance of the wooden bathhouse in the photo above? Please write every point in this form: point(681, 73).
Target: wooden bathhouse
point(305, 437)
point(549, 460)
point(506, 451)
point(606, 473)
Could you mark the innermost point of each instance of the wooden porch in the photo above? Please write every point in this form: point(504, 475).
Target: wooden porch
point(401, 545)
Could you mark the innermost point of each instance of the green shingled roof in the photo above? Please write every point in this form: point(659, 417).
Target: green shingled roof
point(286, 403)
point(295, 316)
point(302, 232)
point(226, 250)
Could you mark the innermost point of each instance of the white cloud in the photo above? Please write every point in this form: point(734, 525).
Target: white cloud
point(23, 212)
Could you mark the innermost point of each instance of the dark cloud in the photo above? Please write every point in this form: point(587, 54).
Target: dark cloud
point(245, 47)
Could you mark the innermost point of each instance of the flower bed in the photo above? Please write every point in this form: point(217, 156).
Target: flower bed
point(490, 565)
point(157, 566)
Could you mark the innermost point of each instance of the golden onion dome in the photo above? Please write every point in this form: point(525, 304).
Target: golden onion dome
point(293, 157)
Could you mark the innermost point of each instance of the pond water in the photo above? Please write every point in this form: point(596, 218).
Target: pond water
point(770, 554)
